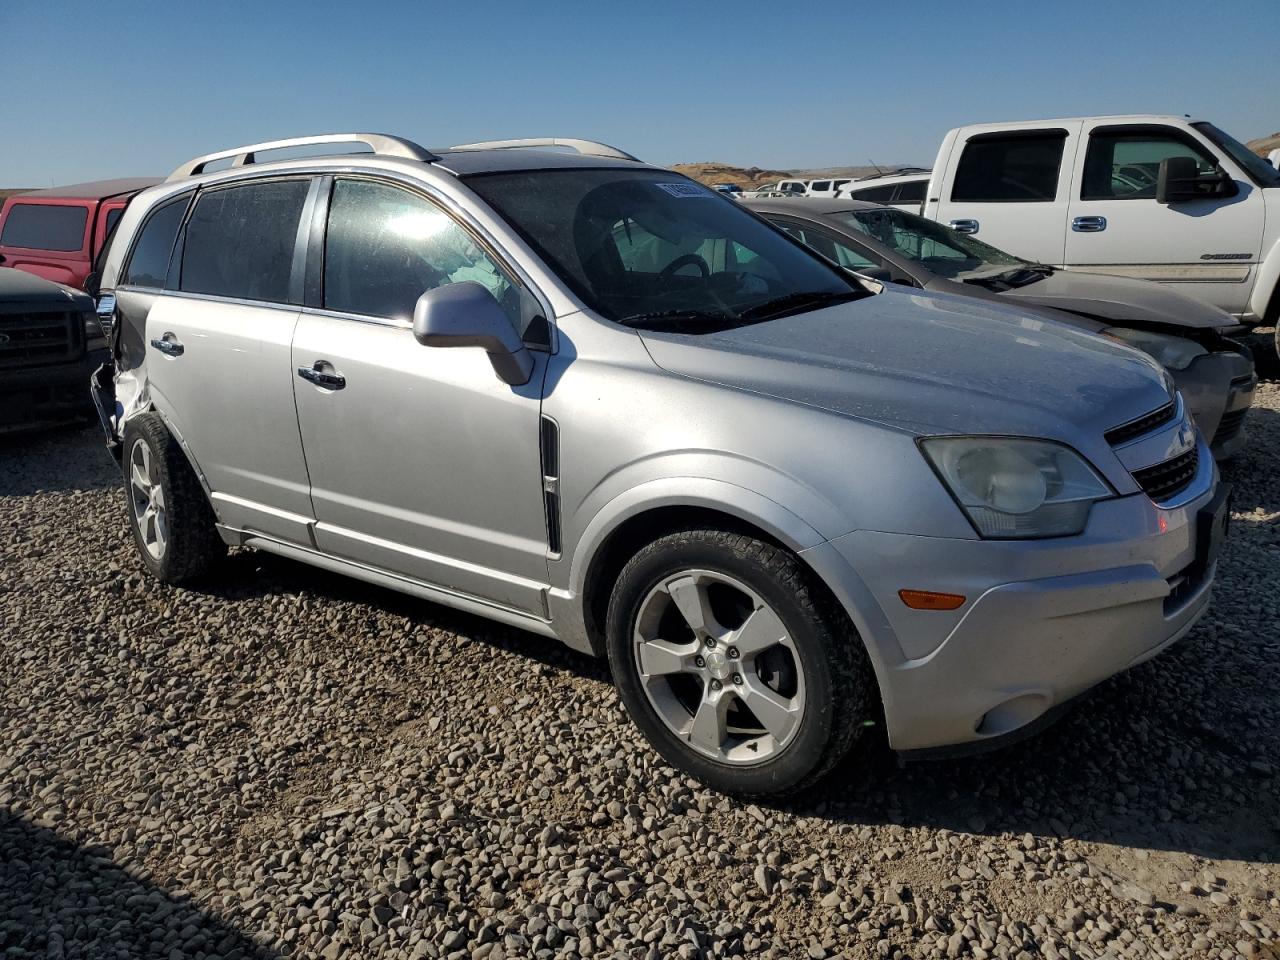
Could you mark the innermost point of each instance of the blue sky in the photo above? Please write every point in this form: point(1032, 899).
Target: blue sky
point(98, 88)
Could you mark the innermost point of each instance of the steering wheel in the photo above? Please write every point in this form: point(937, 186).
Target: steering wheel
point(679, 263)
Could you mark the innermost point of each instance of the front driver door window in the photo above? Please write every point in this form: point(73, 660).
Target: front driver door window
point(386, 247)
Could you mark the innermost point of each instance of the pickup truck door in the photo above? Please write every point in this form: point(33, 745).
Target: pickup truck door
point(1010, 188)
point(1209, 248)
point(422, 462)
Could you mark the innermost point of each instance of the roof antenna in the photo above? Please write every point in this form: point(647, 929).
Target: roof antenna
point(879, 172)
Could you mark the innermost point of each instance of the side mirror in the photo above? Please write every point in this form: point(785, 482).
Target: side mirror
point(93, 285)
point(1179, 180)
point(467, 315)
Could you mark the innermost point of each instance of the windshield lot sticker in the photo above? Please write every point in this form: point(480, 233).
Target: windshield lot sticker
point(685, 190)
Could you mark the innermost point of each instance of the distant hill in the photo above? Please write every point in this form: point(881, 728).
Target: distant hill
point(1264, 145)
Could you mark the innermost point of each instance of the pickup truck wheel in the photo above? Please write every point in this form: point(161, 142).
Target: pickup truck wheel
point(736, 666)
point(169, 514)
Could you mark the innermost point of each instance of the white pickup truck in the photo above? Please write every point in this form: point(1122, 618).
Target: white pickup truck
point(1158, 197)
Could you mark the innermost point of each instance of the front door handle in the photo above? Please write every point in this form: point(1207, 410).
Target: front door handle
point(1089, 224)
point(964, 226)
point(322, 378)
point(169, 345)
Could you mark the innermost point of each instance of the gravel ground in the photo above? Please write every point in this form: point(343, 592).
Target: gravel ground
point(287, 763)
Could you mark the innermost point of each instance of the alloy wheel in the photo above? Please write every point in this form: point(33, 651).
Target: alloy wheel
point(719, 667)
point(147, 497)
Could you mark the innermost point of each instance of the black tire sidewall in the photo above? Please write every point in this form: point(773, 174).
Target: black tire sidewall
point(809, 630)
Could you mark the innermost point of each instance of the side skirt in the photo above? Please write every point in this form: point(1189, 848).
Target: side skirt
point(381, 578)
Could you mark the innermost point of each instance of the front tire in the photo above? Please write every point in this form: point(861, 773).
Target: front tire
point(737, 667)
point(169, 514)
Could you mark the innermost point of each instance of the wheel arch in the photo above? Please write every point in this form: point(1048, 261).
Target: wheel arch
point(1264, 302)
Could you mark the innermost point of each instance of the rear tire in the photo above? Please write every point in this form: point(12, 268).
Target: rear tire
point(169, 514)
point(736, 665)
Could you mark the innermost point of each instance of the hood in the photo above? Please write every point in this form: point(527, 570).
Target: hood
point(1121, 299)
point(19, 288)
point(929, 363)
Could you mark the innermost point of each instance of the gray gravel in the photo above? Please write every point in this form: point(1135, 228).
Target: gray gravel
point(286, 763)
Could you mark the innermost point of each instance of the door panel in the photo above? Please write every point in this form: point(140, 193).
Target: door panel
point(424, 463)
point(1006, 183)
point(1196, 245)
point(229, 394)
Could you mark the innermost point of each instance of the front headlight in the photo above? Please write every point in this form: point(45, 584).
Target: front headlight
point(1176, 353)
point(1014, 488)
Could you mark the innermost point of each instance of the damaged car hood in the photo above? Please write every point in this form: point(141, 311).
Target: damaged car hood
point(1121, 299)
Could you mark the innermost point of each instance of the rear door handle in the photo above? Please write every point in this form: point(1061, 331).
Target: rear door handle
point(169, 345)
point(1089, 224)
point(322, 378)
point(964, 226)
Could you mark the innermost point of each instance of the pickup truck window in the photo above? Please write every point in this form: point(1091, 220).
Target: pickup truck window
point(45, 226)
point(1122, 165)
point(1010, 168)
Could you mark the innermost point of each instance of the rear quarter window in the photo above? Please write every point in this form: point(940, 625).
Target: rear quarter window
point(149, 264)
point(45, 226)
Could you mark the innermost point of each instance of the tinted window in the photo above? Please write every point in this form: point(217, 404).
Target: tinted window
point(112, 217)
point(822, 185)
point(941, 249)
point(149, 264)
point(1262, 173)
point(1008, 168)
point(386, 247)
point(1125, 166)
point(41, 226)
point(239, 241)
point(648, 246)
point(911, 192)
point(873, 194)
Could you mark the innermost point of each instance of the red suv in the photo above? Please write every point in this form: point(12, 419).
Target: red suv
point(58, 233)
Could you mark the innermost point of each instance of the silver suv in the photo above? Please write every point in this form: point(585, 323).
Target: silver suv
point(595, 400)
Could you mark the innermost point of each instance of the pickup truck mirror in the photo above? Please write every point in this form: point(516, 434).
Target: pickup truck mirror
point(1179, 180)
point(467, 315)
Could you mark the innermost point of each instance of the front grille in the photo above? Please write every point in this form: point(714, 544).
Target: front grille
point(1166, 480)
point(1230, 425)
point(29, 339)
point(1144, 424)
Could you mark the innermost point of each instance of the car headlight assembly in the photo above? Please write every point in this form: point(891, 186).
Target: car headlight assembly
point(1175, 353)
point(1013, 488)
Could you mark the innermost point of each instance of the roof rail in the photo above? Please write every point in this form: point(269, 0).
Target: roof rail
point(588, 148)
point(380, 144)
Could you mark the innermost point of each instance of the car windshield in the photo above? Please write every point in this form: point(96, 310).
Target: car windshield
point(654, 249)
point(940, 249)
point(1262, 173)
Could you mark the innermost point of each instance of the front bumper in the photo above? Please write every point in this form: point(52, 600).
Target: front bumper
point(1045, 619)
point(40, 396)
point(1218, 389)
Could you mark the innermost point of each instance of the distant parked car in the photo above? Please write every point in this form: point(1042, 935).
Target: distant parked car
point(58, 233)
point(50, 343)
point(904, 188)
point(1186, 335)
point(783, 188)
point(729, 189)
point(1274, 158)
point(826, 188)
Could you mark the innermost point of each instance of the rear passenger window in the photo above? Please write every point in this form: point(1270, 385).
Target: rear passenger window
point(45, 226)
point(240, 240)
point(911, 192)
point(149, 265)
point(1010, 168)
point(873, 194)
point(385, 247)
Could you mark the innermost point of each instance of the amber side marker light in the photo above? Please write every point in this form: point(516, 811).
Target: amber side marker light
point(928, 600)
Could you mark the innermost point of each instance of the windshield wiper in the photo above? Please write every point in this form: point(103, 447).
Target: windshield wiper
point(797, 303)
point(682, 320)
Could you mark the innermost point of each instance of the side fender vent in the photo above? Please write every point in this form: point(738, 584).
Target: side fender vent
point(550, 443)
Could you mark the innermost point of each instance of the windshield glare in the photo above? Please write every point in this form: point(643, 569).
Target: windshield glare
point(640, 244)
point(940, 249)
point(1261, 172)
